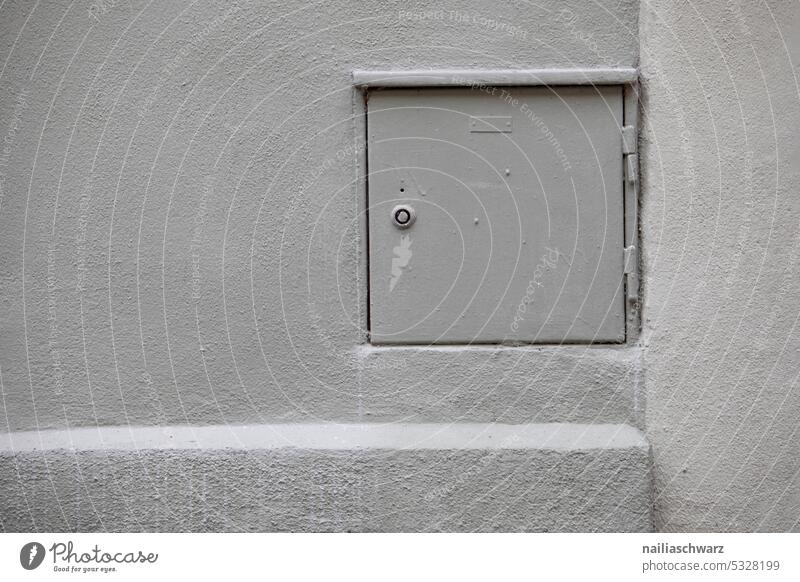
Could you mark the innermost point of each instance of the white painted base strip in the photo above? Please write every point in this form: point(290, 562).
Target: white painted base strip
point(331, 437)
point(473, 77)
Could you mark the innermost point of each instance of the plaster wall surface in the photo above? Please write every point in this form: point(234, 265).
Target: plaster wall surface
point(720, 216)
point(290, 477)
point(180, 244)
point(180, 223)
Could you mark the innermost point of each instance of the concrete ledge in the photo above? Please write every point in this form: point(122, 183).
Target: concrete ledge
point(473, 477)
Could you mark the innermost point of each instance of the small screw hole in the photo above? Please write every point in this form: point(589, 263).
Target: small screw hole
point(402, 189)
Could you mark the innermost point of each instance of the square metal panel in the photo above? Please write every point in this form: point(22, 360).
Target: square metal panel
point(515, 208)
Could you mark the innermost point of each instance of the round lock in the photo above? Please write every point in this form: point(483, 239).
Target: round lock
point(403, 216)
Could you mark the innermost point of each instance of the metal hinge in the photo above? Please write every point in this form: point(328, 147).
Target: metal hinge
point(629, 139)
point(629, 259)
point(632, 168)
point(630, 271)
point(631, 160)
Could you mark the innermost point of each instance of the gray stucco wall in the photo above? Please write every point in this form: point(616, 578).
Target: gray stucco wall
point(180, 235)
point(720, 213)
point(179, 244)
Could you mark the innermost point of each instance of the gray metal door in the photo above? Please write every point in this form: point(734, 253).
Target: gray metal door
point(496, 215)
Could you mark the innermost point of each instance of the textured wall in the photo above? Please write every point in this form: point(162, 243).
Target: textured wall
point(720, 221)
point(179, 220)
point(346, 477)
point(179, 245)
point(178, 229)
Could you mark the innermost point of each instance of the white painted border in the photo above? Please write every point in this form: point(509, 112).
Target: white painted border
point(510, 77)
point(411, 436)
